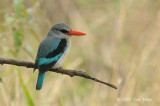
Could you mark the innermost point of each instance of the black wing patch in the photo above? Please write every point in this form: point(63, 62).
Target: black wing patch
point(60, 49)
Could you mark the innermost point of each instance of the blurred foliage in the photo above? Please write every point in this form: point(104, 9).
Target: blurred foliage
point(121, 47)
point(26, 92)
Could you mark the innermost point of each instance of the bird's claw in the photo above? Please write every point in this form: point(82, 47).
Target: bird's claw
point(60, 67)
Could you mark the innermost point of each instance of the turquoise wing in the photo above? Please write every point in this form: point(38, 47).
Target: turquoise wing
point(50, 50)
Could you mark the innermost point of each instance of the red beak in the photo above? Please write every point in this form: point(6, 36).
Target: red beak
point(76, 33)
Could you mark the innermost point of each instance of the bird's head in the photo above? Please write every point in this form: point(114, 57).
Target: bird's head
point(63, 31)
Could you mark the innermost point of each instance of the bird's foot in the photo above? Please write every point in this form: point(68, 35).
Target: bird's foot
point(60, 67)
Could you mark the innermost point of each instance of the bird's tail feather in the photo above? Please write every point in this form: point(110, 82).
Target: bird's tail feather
point(40, 81)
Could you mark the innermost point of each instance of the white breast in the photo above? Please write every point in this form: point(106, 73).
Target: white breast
point(60, 61)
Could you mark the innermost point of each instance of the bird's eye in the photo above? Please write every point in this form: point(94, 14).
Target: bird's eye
point(64, 31)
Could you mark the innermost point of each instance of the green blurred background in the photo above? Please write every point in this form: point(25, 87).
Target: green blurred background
point(121, 47)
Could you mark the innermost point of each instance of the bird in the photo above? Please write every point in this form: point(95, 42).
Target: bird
point(53, 50)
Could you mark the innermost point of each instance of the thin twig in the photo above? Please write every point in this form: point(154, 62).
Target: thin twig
point(69, 72)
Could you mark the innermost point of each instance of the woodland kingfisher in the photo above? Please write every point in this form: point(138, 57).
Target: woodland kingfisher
point(53, 50)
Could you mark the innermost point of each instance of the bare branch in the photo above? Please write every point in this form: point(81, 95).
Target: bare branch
point(69, 72)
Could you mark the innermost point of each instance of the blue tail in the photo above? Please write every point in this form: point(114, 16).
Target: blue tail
point(40, 81)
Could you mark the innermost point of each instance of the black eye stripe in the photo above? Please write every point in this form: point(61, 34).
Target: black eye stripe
point(64, 31)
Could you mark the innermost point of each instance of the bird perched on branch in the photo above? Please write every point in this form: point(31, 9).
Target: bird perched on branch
point(53, 50)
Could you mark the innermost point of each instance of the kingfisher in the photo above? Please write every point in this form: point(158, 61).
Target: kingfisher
point(53, 50)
